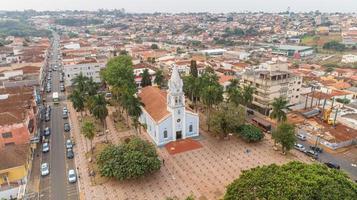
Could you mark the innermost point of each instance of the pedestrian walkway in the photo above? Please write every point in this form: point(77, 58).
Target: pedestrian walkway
point(203, 172)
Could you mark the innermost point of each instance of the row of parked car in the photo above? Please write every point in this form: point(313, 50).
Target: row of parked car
point(45, 168)
point(313, 151)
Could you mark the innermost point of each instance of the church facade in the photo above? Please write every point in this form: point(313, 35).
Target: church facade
point(164, 112)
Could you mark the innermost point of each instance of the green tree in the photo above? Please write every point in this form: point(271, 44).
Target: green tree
point(80, 82)
point(294, 180)
point(284, 134)
point(250, 133)
point(234, 92)
point(91, 87)
point(154, 46)
point(279, 105)
point(145, 78)
point(226, 119)
point(247, 94)
point(100, 111)
point(78, 100)
point(135, 111)
point(192, 88)
point(193, 69)
point(131, 160)
point(88, 130)
point(334, 45)
point(159, 78)
point(211, 95)
point(119, 72)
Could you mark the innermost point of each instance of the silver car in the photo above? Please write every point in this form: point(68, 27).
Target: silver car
point(72, 176)
point(299, 147)
point(45, 169)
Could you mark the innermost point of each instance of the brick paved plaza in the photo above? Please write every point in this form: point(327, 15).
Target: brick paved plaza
point(203, 172)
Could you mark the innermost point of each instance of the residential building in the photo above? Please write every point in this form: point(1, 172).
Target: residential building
point(272, 80)
point(88, 67)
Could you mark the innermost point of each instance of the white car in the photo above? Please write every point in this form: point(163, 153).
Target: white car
point(299, 147)
point(72, 176)
point(45, 147)
point(301, 137)
point(45, 169)
point(69, 144)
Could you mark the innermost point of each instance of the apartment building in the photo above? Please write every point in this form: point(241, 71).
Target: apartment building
point(88, 67)
point(272, 80)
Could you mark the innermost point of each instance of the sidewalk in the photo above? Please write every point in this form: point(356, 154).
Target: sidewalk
point(33, 184)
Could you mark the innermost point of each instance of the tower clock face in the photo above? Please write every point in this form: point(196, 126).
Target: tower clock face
point(178, 120)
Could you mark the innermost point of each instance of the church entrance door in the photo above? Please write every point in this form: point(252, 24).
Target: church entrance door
point(178, 135)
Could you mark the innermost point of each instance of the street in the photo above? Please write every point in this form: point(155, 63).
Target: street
point(55, 185)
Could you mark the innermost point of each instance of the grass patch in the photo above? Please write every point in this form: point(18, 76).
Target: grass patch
point(120, 122)
point(97, 124)
point(320, 40)
point(97, 179)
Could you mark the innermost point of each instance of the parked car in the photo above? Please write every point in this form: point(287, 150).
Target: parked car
point(312, 154)
point(45, 169)
point(48, 108)
point(65, 109)
point(301, 137)
point(47, 131)
point(45, 147)
point(64, 114)
point(70, 153)
point(69, 144)
point(332, 165)
point(62, 88)
point(299, 147)
point(72, 176)
point(47, 117)
point(250, 112)
point(316, 149)
point(67, 128)
point(48, 89)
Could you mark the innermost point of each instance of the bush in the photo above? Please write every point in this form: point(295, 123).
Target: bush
point(130, 160)
point(250, 133)
point(294, 180)
point(334, 45)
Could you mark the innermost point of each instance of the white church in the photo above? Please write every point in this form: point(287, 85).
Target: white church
point(164, 112)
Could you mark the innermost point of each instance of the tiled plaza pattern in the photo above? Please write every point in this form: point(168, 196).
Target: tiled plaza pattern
point(203, 172)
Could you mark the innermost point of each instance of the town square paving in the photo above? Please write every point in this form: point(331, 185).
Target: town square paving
point(203, 172)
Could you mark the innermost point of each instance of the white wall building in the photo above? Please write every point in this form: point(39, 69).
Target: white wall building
point(165, 114)
point(89, 69)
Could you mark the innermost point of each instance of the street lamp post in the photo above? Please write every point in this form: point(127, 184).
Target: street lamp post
point(229, 150)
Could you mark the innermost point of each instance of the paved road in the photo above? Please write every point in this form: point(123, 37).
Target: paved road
point(337, 158)
point(56, 186)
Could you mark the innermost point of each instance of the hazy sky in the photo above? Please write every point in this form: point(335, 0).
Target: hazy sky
point(184, 5)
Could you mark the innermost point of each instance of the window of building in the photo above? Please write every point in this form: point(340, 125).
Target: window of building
point(165, 133)
point(7, 135)
point(297, 89)
point(10, 144)
point(190, 128)
point(296, 96)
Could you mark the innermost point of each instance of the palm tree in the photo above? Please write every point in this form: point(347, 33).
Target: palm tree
point(159, 78)
point(79, 82)
point(146, 78)
point(247, 94)
point(91, 87)
point(78, 101)
point(211, 95)
point(135, 111)
point(234, 93)
point(88, 130)
point(100, 111)
point(279, 105)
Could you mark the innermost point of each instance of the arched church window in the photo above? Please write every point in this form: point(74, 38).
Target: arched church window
point(190, 128)
point(165, 133)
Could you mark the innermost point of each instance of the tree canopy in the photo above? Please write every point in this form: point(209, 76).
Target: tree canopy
point(250, 133)
point(285, 135)
point(334, 45)
point(294, 180)
point(145, 78)
point(226, 119)
point(130, 160)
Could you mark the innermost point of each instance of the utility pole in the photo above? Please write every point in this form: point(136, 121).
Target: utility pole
point(323, 109)
point(334, 119)
point(312, 96)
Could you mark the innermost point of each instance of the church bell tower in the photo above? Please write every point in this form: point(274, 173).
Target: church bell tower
point(176, 104)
